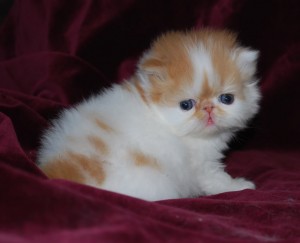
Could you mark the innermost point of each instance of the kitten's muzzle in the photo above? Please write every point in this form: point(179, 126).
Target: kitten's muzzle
point(208, 108)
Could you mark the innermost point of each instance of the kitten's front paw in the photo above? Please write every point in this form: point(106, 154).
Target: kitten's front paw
point(239, 184)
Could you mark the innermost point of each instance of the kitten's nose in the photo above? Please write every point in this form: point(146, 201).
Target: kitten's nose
point(208, 108)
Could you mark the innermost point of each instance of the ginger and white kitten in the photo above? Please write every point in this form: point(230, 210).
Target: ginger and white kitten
point(161, 134)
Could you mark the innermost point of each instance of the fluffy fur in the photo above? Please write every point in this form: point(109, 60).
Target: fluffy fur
point(140, 139)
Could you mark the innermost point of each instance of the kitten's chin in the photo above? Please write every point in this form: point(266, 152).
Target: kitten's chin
point(212, 130)
point(204, 130)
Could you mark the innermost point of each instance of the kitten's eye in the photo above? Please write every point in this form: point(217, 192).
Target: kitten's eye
point(187, 104)
point(226, 99)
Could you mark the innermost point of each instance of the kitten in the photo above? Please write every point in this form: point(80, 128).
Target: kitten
point(160, 134)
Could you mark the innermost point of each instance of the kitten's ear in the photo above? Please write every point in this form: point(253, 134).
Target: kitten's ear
point(151, 67)
point(246, 60)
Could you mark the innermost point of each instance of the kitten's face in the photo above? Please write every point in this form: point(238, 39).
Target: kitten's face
point(200, 83)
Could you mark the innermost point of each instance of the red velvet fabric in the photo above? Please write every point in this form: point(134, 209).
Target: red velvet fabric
point(55, 53)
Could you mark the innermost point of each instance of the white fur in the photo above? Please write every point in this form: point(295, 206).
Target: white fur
point(188, 153)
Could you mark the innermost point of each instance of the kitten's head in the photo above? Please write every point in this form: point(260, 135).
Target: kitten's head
point(201, 83)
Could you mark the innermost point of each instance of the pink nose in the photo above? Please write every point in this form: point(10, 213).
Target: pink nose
point(208, 108)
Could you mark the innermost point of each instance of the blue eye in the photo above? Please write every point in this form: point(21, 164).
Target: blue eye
point(226, 99)
point(187, 104)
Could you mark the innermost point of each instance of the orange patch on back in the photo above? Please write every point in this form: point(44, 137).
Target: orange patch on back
point(103, 125)
point(141, 159)
point(98, 143)
point(63, 169)
point(72, 166)
point(90, 165)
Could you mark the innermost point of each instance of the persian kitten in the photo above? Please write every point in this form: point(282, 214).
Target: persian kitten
point(161, 134)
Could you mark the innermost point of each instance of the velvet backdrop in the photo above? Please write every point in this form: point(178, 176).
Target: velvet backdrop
point(55, 53)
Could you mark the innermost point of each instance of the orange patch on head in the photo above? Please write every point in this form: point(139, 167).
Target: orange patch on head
point(227, 71)
point(206, 91)
point(141, 159)
point(221, 45)
point(168, 67)
point(98, 143)
point(206, 94)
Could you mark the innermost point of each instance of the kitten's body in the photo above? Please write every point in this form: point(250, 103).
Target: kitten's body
point(135, 139)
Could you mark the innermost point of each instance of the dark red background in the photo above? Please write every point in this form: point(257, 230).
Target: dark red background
point(54, 53)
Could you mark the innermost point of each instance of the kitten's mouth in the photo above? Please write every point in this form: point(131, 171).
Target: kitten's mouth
point(210, 121)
